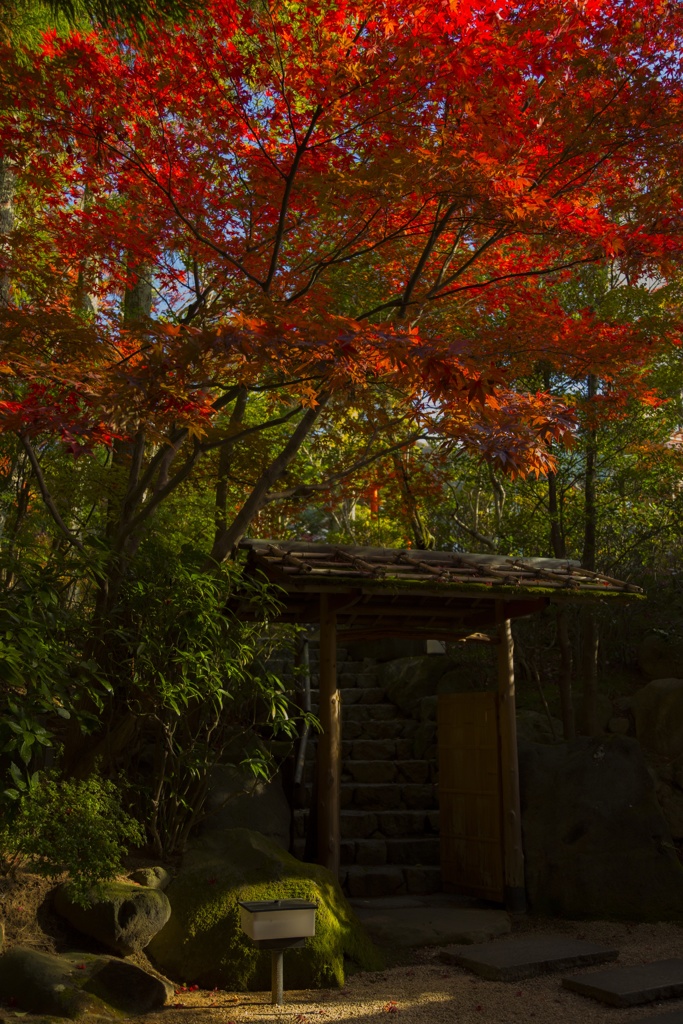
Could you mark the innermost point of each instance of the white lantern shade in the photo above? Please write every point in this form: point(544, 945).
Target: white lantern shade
point(277, 919)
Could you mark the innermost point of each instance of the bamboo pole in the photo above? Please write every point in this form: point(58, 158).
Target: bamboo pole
point(513, 851)
point(329, 742)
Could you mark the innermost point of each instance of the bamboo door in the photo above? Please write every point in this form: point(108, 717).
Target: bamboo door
point(470, 799)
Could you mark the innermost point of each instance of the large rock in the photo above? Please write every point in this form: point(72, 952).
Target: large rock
point(408, 680)
point(536, 727)
point(237, 799)
point(658, 713)
point(78, 984)
point(595, 841)
point(122, 916)
point(152, 878)
point(660, 655)
point(203, 943)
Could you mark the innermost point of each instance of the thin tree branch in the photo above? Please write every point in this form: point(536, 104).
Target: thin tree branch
point(47, 497)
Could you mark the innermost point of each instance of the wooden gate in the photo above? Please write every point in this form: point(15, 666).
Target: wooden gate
point(470, 797)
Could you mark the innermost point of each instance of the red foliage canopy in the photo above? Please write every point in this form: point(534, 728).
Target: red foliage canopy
point(336, 194)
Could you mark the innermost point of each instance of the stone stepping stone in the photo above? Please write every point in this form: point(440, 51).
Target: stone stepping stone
point(514, 959)
point(632, 985)
point(673, 1017)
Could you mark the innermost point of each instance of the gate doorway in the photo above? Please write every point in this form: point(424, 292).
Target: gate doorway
point(470, 795)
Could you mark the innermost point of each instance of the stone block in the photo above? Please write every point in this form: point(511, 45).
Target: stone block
point(350, 695)
point(371, 882)
point(358, 824)
point(413, 851)
point(413, 771)
point(369, 712)
point(402, 823)
point(378, 798)
point(370, 750)
point(371, 851)
point(372, 771)
point(389, 729)
point(371, 695)
point(422, 878)
point(419, 797)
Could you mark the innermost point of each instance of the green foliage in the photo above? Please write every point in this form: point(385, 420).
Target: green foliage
point(195, 681)
point(76, 826)
point(44, 675)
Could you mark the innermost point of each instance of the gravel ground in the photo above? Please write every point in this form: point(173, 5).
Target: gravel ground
point(422, 990)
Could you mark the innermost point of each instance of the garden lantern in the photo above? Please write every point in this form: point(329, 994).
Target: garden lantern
point(277, 925)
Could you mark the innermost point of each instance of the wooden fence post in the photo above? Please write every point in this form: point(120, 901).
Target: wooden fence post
point(513, 861)
point(329, 742)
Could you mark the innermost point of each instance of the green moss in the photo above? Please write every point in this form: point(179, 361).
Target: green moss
point(204, 944)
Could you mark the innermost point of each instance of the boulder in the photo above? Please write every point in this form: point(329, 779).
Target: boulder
point(604, 710)
point(237, 799)
point(408, 680)
point(596, 844)
point(122, 916)
point(203, 943)
point(535, 727)
point(670, 799)
point(660, 655)
point(658, 713)
point(152, 878)
point(78, 984)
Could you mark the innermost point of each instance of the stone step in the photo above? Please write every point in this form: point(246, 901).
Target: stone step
point(631, 985)
point(390, 880)
point(369, 713)
point(390, 771)
point(391, 851)
point(356, 695)
point(388, 749)
point(409, 796)
point(388, 824)
point(527, 957)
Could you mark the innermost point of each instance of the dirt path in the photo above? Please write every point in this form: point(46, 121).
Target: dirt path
point(425, 991)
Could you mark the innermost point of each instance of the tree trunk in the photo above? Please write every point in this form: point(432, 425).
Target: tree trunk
point(6, 225)
point(589, 626)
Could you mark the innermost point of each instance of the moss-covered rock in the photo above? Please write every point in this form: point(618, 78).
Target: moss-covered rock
point(203, 943)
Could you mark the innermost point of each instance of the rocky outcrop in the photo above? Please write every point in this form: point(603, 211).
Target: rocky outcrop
point(239, 800)
point(152, 878)
point(77, 984)
point(123, 917)
point(203, 943)
point(658, 712)
point(660, 655)
point(595, 841)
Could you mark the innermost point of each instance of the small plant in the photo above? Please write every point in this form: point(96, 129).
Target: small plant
point(77, 826)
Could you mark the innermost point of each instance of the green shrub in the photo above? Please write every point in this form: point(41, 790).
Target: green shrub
point(77, 826)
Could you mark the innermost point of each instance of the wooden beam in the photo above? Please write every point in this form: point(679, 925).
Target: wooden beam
point(513, 850)
point(329, 742)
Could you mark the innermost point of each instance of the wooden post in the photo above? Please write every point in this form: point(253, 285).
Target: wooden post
point(329, 742)
point(513, 851)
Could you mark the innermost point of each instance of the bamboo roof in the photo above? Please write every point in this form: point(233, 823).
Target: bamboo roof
point(381, 592)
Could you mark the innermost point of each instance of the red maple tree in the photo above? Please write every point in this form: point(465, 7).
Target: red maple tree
point(327, 204)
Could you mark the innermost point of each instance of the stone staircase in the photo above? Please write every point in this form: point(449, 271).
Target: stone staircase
point(389, 800)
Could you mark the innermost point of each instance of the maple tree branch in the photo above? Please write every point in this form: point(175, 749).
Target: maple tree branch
point(226, 542)
point(541, 272)
point(303, 490)
point(169, 485)
point(234, 438)
point(47, 497)
point(284, 206)
point(436, 232)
